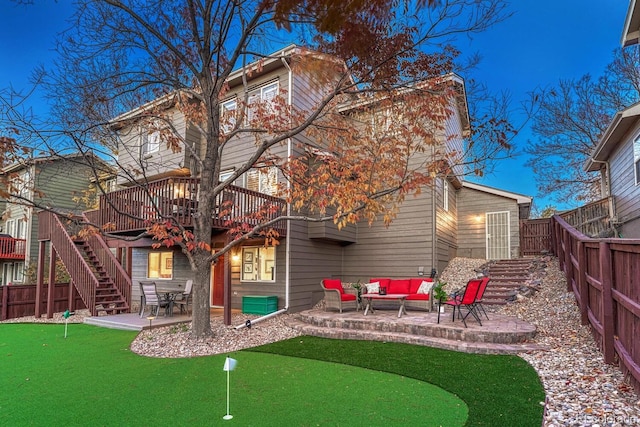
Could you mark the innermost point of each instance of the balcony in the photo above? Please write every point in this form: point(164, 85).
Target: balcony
point(132, 210)
point(11, 248)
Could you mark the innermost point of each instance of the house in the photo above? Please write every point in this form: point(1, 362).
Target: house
point(616, 157)
point(58, 181)
point(425, 235)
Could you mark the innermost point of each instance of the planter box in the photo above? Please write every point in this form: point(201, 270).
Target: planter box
point(253, 304)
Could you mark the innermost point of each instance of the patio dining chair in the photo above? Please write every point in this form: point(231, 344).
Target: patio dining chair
point(182, 300)
point(466, 300)
point(153, 300)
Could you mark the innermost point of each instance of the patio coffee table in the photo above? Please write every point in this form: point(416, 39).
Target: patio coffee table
point(399, 297)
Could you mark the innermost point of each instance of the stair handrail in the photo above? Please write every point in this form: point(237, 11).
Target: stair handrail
point(114, 269)
point(81, 275)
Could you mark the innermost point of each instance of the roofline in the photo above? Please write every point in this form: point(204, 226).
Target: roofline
point(620, 124)
point(520, 198)
point(633, 37)
point(30, 161)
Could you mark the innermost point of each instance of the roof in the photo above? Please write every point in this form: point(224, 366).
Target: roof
point(631, 29)
point(620, 125)
point(30, 161)
point(519, 198)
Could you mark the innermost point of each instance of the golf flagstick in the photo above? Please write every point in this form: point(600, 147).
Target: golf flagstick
point(229, 365)
point(66, 315)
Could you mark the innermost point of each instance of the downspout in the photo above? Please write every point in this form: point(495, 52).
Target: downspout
point(287, 282)
point(434, 219)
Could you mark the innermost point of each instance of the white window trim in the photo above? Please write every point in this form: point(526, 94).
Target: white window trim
point(636, 159)
point(259, 94)
point(267, 181)
point(160, 267)
point(255, 264)
point(149, 143)
point(225, 108)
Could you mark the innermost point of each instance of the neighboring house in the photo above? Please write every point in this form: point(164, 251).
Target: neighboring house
point(45, 181)
point(617, 158)
point(426, 234)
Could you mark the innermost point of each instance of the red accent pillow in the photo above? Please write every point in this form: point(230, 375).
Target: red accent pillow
point(399, 286)
point(416, 282)
point(334, 284)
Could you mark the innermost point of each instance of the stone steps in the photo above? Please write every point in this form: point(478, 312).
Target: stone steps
point(499, 335)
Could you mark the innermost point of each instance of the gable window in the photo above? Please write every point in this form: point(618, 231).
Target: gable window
point(258, 264)
point(264, 94)
point(160, 265)
point(228, 115)
point(264, 180)
point(150, 142)
point(636, 159)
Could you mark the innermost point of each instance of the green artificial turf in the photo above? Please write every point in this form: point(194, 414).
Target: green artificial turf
point(92, 378)
point(499, 390)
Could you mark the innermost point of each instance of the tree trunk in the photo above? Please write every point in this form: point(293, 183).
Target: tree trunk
point(201, 295)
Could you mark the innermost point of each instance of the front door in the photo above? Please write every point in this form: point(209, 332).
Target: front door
point(498, 235)
point(217, 283)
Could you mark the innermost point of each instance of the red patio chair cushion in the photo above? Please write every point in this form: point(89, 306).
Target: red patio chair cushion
point(334, 284)
point(347, 297)
point(421, 297)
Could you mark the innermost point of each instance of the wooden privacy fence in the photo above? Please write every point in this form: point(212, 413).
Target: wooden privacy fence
point(20, 300)
point(535, 236)
point(604, 275)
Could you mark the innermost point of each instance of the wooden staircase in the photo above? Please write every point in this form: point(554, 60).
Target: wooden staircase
point(108, 298)
point(100, 280)
point(507, 276)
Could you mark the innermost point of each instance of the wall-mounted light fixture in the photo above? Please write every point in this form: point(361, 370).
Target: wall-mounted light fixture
point(478, 218)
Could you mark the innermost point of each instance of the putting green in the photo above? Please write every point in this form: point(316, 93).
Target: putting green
point(92, 378)
point(324, 393)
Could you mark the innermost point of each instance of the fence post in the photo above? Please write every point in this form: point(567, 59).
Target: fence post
point(568, 265)
point(582, 284)
point(606, 270)
point(5, 302)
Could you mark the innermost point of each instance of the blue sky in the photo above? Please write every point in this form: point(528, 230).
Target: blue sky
point(544, 41)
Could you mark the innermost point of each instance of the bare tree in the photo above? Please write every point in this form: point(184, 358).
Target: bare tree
point(147, 56)
point(571, 118)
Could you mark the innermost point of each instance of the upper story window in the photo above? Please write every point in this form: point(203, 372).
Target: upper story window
point(149, 142)
point(636, 159)
point(264, 180)
point(228, 115)
point(265, 94)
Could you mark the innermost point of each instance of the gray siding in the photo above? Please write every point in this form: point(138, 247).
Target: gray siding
point(473, 207)
point(624, 189)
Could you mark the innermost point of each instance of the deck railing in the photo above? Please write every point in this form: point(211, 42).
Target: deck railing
point(12, 248)
point(133, 209)
point(604, 277)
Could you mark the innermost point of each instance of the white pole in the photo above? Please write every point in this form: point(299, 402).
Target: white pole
point(228, 416)
point(65, 327)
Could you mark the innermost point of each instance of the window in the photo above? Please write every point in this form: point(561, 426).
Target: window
point(258, 264)
point(11, 228)
point(150, 142)
point(228, 115)
point(21, 229)
point(160, 265)
point(445, 194)
point(636, 159)
point(264, 94)
point(263, 180)
point(18, 272)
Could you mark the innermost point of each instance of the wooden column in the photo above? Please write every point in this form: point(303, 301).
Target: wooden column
point(227, 288)
point(40, 277)
point(52, 278)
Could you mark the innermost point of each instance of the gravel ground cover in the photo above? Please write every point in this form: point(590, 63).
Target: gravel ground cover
point(581, 389)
